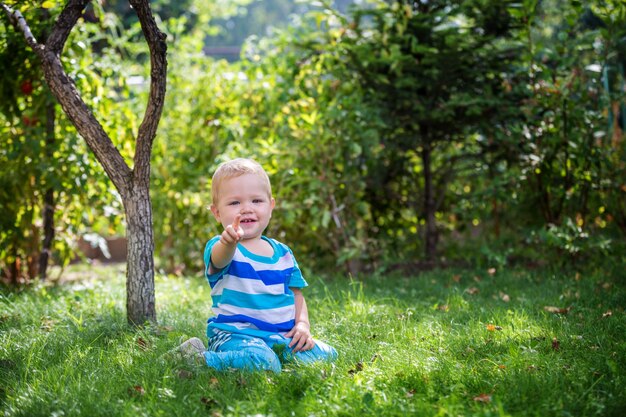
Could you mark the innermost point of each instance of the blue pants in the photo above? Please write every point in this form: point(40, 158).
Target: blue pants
point(239, 351)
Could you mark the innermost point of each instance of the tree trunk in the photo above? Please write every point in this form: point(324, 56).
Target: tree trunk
point(140, 302)
point(48, 200)
point(15, 269)
point(429, 206)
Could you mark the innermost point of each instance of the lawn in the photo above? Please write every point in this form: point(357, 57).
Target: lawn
point(450, 342)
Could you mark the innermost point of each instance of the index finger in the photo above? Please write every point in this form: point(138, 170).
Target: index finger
point(236, 222)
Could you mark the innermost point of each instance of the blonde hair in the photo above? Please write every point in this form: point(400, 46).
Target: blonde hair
point(236, 168)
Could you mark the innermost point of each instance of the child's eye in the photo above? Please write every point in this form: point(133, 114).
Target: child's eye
point(257, 201)
point(233, 203)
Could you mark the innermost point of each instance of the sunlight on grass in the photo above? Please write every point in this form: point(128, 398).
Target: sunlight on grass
point(447, 344)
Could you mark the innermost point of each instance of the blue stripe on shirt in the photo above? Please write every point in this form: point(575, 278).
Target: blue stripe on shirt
point(245, 270)
point(255, 301)
point(262, 325)
point(216, 300)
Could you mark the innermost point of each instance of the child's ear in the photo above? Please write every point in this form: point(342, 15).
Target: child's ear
point(215, 211)
point(272, 203)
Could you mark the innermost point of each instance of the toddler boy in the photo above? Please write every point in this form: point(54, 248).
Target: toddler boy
point(261, 316)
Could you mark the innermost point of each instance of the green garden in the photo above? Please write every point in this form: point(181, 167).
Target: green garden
point(451, 175)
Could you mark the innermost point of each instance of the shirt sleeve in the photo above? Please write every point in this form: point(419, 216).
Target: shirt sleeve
point(296, 280)
point(212, 278)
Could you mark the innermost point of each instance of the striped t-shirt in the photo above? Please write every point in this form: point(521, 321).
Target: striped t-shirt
point(251, 294)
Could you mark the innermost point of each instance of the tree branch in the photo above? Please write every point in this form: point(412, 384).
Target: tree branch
point(17, 20)
point(64, 25)
point(158, 71)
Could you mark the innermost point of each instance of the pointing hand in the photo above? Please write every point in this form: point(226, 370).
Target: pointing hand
point(233, 232)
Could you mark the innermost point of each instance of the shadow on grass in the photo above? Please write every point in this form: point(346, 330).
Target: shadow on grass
point(445, 342)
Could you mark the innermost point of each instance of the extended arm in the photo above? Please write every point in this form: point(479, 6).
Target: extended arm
point(224, 250)
point(301, 332)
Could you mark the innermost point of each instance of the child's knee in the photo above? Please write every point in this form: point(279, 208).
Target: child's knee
point(324, 351)
point(330, 354)
point(263, 359)
point(320, 352)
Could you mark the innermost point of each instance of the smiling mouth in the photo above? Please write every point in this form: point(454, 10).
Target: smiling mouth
point(247, 221)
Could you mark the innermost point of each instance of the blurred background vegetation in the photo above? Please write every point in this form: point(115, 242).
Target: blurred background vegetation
point(397, 134)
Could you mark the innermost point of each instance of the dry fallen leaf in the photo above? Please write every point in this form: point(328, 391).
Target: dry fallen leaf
point(136, 390)
point(483, 398)
point(357, 368)
point(607, 314)
point(456, 278)
point(443, 307)
point(141, 342)
point(473, 291)
point(208, 402)
point(557, 310)
point(184, 374)
point(505, 297)
point(47, 324)
point(556, 345)
point(491, 328)
point(491, 271)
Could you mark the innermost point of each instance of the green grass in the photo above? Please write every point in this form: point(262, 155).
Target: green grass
point(408, 346)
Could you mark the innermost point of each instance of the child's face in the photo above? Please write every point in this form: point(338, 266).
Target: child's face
point(246, 195)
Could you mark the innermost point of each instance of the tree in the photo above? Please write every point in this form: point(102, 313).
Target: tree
point(131, 183)
point(434, 69)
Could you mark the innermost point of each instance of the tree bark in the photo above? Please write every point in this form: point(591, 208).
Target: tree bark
point(132, 184)
point(140, 302)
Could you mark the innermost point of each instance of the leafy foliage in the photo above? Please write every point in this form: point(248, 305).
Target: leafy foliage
point(560, 156)
point(511, 111)
point(35, 159)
